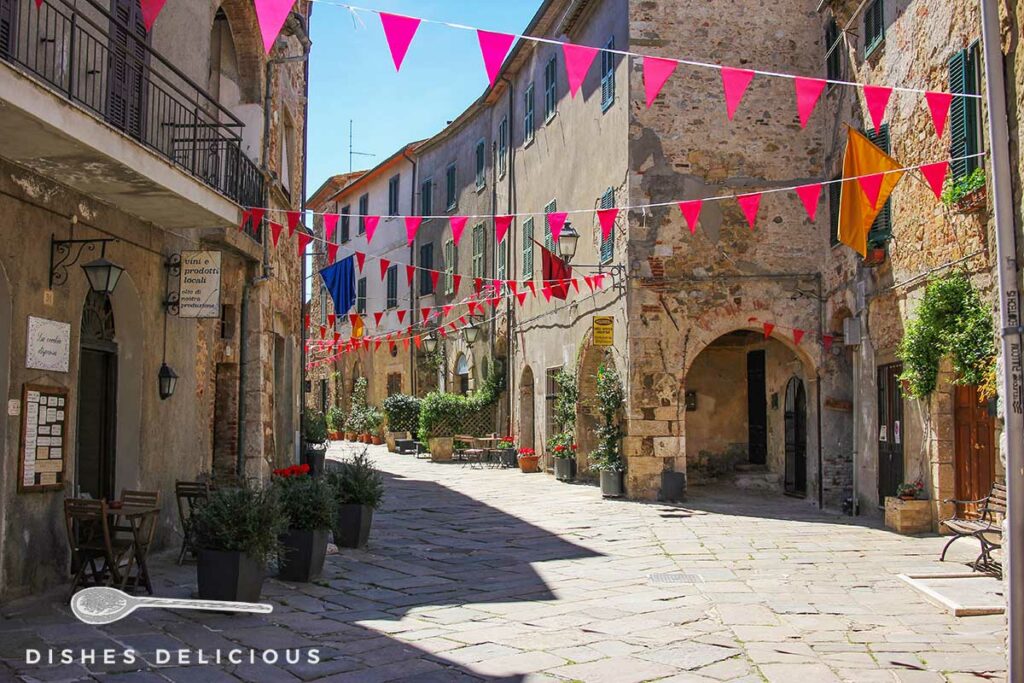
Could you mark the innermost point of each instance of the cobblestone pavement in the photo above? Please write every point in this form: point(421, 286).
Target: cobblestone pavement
point(496, 575)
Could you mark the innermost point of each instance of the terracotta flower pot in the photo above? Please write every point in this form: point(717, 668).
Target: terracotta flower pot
point(529, 463)
point(350, 436)
point(875, 256)
point(375, 440)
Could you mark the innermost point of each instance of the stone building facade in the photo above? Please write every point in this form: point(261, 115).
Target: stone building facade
point(107, 143)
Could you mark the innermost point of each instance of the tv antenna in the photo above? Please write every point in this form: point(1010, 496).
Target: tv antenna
point(352, 153)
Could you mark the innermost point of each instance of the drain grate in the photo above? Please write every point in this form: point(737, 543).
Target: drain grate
point(675, 577)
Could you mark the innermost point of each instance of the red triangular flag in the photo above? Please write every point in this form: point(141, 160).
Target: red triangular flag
point(376, 344)
point(808, 92)
point(589, 281)
point(271, 15)
point(938, 105)
point(405, 343)
point(768, 327)
point(691, 212)
point(607, 219)
point(478, 284)
point(935, 174)
point(877, 98)
point(493, 48)
point(304, 240)
point(412, 224)
point(323, 331)
point(458, 224)
point(734, 83)
point(398, 31)
point(556, 221)
point(293, 221)
point(456, 281)
point(353, 319)
point(426, 313)
point(330, 224)
point(384, 265)
point(656, 72)
point(370, 222)
point(522, 298)
point(493, 301)
point(337, 336)
point(418, 341)
point(275, 232)
point(872, 185)
point(446, 310)
point(533, 288)
point(332, 252)
point(331, 319)
point(578, 59)
point(599, 280)
point(441, 331)
point(827, 341)
point(575, 284)
point(546, 291)
point(512, 285)
point(410, 272)
point(377, 318)
point(501, 224)
point(246, 213)
point(360, 260)
point(462, 320)
point(797, 336)
point(391, 346)
point(366, 344)
point(401, 315)
point(150, 11)
point(257, 219)
point(471, 306)
point(749, 203)
point(434, 275)
point(809, 195)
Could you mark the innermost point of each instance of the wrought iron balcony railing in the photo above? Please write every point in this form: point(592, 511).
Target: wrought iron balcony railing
point(103, 62)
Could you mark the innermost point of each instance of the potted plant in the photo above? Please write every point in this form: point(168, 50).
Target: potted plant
point(607, 457)
point(358, 489)
point(967, 193)
point(402, 413)
point(529, 461)
point(909, 490)
point(374, 424)
point(235, 532)
point(354, 423)
point(507, 451)
point(563, 452)
point(308, 505)
point(335, 423)
point(315, 440)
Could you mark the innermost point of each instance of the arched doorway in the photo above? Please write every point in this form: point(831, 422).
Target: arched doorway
point(588, 419)
point(462, 374)
point(96, 447)
point(526, 409)
point(796, 438)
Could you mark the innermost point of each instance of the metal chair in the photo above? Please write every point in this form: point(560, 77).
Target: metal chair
point(91, 542)
point(189, 495)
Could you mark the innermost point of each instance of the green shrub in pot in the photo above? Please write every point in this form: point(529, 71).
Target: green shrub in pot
point(308, 504)
point(358, 489)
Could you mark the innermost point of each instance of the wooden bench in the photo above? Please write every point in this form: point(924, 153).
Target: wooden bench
point(472, 454)
point(986, 525)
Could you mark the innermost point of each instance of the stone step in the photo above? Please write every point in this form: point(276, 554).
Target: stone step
point(761, 481)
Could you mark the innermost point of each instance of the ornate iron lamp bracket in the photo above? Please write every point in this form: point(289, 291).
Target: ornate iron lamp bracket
point(66, 253)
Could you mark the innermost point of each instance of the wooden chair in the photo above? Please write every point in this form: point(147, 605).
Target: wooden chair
point(984, 525)
point(91, 541)
point(189, 495)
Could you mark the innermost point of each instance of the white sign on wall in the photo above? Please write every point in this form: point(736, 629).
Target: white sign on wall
point(49, 345)
point(199, 292)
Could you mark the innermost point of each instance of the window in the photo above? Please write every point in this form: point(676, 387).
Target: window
point(393, 187)
point(451, 255)
point(451, 197)
point(364, 208)
point(549, 240)
point(394, 383)
point(323, 396)
point(881, 229)
point(874, 26)
point(392, 287)
point(479, 249)
point(503, 146)
point(550, 80)
point(323, 305)
point(528, 248)
point(835, 191)
point(286, 158)
point(833, 51)
point(426, 265)
point(502, 257)
point(964, 112)
point(427, 197)
point(608, 75)
point(346, 223)
point(608, 245)
point(550, 396)
point(361, 296)
point(481, 164)
point(528, 121)
point(227, 321)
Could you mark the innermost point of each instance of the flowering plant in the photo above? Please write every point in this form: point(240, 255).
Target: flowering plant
point(292, 471)
point(306, 500)
point(507, 442)
point(910, 490)
point(526, 452)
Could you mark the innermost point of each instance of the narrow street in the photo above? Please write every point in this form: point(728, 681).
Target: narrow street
point(496, 575)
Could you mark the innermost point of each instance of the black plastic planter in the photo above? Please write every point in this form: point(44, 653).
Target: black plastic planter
point(565, 469)
point(315, 460)
point(673, 486)
point(229, 575)
point(353, 527)
point(611, 483)
point(302, 554)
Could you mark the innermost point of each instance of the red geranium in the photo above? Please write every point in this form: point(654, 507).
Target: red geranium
point(292, 471)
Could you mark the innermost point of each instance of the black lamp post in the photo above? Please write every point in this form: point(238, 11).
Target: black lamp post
point(430, 343)
point(567, 242)
point(168, 380)
point(471, 332)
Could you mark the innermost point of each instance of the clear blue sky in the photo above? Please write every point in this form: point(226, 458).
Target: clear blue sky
point(352, 76)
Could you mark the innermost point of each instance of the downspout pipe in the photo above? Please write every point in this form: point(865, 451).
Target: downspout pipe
point(511, 261)
point(302, 261)
point(412, 256)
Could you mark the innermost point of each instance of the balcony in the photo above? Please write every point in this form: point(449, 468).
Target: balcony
point(116, 120)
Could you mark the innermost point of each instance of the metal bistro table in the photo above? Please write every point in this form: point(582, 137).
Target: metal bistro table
point(141, 522)
point(494, 454)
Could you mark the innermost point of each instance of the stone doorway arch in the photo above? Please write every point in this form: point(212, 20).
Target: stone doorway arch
point(527, 407)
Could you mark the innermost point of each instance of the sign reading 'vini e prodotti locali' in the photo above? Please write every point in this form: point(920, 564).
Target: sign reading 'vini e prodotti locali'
point(199, 288)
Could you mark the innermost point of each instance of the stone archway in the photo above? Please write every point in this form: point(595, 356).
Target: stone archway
point(527, 407)
point(588, 419)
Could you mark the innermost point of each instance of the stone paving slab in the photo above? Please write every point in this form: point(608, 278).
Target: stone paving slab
point(484, 574)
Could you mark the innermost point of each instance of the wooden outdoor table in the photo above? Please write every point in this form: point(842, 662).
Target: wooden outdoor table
point(136, 516)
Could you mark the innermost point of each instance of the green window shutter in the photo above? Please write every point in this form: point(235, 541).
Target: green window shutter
point(835, 191)
point(608, 245)
point(479, 247)
point(549, 241)
point(361, 296)
point(881, 229)
point(502, 256)
point(449, 266)
point(608, 75)
point(958, 131)
point(528, 248)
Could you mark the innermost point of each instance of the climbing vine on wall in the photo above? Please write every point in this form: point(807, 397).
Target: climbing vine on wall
point(951, 320)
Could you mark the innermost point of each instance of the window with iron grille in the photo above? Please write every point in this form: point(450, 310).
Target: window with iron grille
point(549, 240)
point(608, 245)
point(964, 112)
point(393, 186)
point(881, 229)
point(835, 191)
point(364, 208)
point(426, 265)
point(550, 90)
point(481, 164)
point(608, 75)
point(392, 287)
point(394, 383)
point(528, 118)
point(550, 396)
point(479, 249)
point(528, 248)
point(361, 296)
point(427, 197)
point(451, 196)
point(874, 26)
point(833, 51)
point(346, 223)
point(451, 255)
point(502, 256)
point(503, 146)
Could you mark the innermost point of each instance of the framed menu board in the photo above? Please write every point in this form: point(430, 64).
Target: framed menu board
point(43, 438)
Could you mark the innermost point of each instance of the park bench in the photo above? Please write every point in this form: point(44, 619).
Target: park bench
point(984, 523)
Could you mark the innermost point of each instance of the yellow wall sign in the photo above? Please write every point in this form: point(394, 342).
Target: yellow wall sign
point(604, 330)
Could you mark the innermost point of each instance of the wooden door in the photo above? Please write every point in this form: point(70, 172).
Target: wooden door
point(974, 446)
point(126, 68)
point(890, 430)
point(757, 409)
point(796, 438)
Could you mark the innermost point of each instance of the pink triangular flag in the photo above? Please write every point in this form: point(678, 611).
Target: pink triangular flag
point(384, 265)
point(872, 185)
point(410, 272)
point(809, 194)
point(275, 232)
point(398, 31)
point(332, 252)
point(578, 59)
point(656, 73)
point(371, 223)
point(556, 221)
point(330, 225)
point(257, 218)
point(412, 224)
point(798, 335)
point(734, 83)
point(935, 174)
point(401, 316)
point(768, 327)
point(599, 280)
point(494, 47)
point(435, 275)
point(360, 260)
point(607, 219)
point(546, 291)
point(458, 224)
point(522, 298)
point(446, 310)
point(501, 224)
point(426, 313)
point(150, 11)
point(938, 105)
point(691, 212)
point(271, 15)
point(513, 285)
point(749, 203)
point(293, 221)
point(877, 99)
point(304, 240)
point(808, 91)
point(589, 281)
